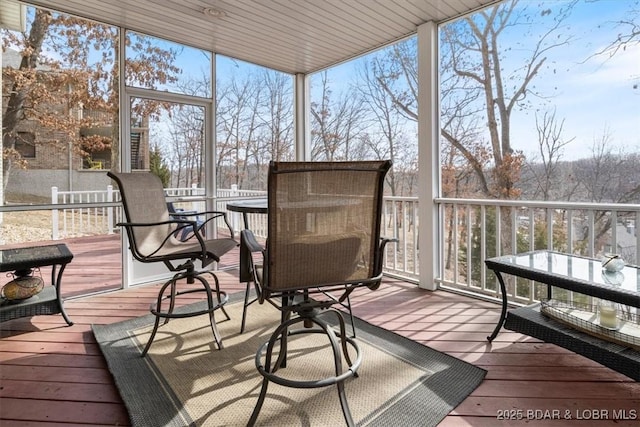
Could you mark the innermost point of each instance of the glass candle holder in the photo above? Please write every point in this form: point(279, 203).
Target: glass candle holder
point(612, 262)
point(608, 314)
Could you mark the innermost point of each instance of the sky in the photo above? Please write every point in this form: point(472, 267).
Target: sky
point(593, 95)
point(599, 99)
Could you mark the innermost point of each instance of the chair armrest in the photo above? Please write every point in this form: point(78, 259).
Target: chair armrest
point(213, 214)
point(153, 224)
point(248, 246)
point(385, 240)
point(380, 259)
point(181, 212)
point(181, 223)
point(208, 215)
point(250, 241)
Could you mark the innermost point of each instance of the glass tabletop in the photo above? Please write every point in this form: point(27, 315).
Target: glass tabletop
point(576, 268)
point(18, 258)
point(248, 206)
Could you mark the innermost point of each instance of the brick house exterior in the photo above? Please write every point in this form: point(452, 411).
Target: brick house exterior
point(52, 162)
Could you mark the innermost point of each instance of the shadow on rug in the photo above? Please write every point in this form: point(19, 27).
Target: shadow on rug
point(185, 380)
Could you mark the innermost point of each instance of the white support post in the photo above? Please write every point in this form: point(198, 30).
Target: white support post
point(55, 233)
point(235, 216)
point(301, 105)
point(429, 240)
point(194, 192)
point(110, 223)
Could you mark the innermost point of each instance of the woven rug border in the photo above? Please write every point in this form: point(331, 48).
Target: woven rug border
point(431, 398)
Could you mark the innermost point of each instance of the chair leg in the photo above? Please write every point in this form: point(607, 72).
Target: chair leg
point(245, 306)
point(343, 331)
point(268, 369)
point(247, 303)
point(353, 324)
point(172, 297)
point(156, 309)
point(153, 335)
point(337, 361)
point(338, 364)
point(212, 319)
point(256, 409)
point(345, 406)
point(219, 294)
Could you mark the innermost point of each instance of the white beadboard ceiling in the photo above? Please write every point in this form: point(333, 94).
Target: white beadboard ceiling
point(294, 36)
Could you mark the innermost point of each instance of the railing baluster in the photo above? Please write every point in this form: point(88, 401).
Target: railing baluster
point(592, 226)
point(549, 213)
point(456, 216)
point(559, 218)
point(455, 244)
point(483, 245)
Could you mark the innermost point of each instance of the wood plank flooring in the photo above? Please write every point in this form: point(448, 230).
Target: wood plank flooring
point(53, 375)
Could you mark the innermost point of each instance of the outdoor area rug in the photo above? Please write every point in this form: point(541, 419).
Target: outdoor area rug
point(185, 380)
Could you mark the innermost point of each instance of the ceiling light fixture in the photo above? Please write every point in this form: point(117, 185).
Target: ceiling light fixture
point(213, 12)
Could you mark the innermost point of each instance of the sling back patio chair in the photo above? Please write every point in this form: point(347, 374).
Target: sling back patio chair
point(152, 238)
point(249, 269)
point(186, 232)
point(323, 243)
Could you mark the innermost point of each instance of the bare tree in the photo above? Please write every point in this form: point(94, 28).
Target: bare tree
point(386, 126)
point(545, 169)
point(477, 55)
point(60, 73)
point(183, 133)
point(479, 92)
point(607, 175)
point(277, 115)
point(255, 125)
point(626, 36)
point(238, 122)
point(336, 124)
point(186, 131)
point(628, 33)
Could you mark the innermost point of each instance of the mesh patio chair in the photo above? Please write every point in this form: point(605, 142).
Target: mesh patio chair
point(152, 238)
point(248, 269)
point(323, 243)
point(187, 232)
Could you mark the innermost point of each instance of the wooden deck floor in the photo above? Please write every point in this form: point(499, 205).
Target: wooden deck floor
point(54, 375)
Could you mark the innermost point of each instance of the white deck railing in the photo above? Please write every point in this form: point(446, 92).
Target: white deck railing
point(74, 222)
point(474, 230)
point(470, 231)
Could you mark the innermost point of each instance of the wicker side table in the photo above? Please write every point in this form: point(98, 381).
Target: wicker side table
point(49, 300)
point(566, 271)
point(528, 320)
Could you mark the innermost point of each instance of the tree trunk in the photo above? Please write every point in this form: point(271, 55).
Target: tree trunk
point(15, 105)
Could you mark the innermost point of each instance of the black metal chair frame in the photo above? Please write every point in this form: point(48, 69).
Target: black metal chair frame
point(252, 276)
point(181, 262)
point(304, 305)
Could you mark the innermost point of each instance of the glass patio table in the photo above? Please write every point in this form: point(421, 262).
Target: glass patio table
point(572, 272)
point(245, 207)
point(248, 206)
